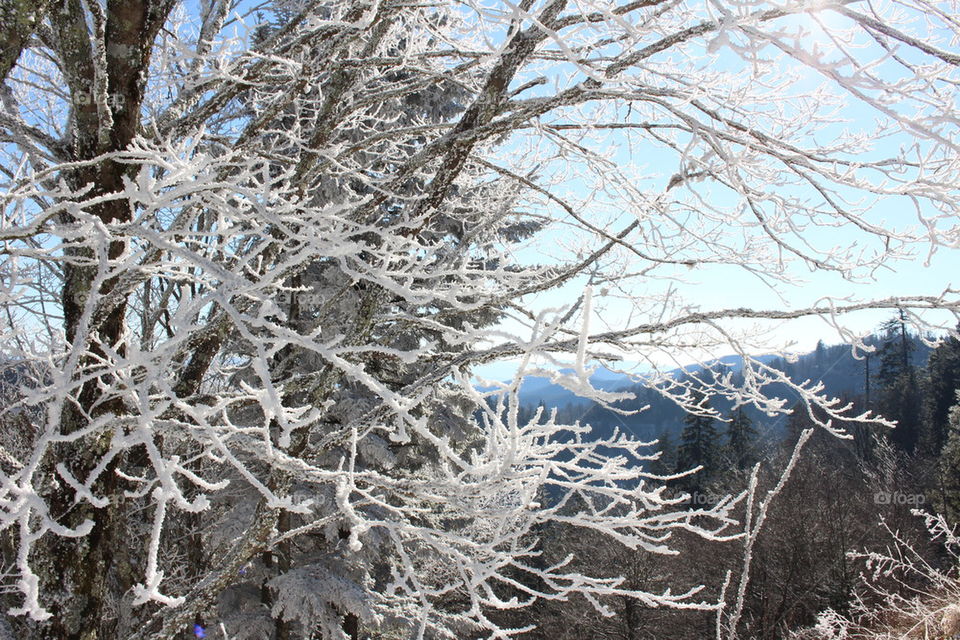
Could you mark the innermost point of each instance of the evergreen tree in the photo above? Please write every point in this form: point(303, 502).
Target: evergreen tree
point(525, 414)
point(898, 392)
point(798, 422)
point(741, 445)
point(941, 380)
point(864, 434)
point(946, 495)
point(820, 354)
point(666, 464)
point(896, 348)
point(698, 448)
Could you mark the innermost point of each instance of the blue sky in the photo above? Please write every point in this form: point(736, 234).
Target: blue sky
point(717, 286)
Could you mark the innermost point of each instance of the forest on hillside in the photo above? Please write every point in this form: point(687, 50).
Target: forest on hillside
point(817, 558)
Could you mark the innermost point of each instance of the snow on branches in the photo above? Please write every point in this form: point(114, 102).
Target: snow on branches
point(251, 260)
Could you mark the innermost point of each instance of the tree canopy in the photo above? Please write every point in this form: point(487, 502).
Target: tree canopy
point(253, 255)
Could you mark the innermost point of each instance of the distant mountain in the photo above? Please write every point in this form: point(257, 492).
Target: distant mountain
point(536, 389)
point(834, 365)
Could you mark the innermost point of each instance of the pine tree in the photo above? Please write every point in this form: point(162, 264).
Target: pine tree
point(820, 354)
point(666, 464)
point(898, 393)
point(941, 380)
point(325, 296)
point(698, 448)
point(798, 422)
point(741, 445)
point(946, 495)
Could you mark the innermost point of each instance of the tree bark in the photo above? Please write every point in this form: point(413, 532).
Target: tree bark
point(91, 574)
point(18, 20)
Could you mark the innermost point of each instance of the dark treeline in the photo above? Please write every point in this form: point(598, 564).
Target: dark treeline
point(845, 495)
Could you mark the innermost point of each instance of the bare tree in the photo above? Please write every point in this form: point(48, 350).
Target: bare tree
point(252, 257)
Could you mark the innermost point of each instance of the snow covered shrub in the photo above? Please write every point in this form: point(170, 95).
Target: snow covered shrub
point(906, 594)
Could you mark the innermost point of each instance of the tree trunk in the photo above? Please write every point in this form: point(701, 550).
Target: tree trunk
point(92, 573)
